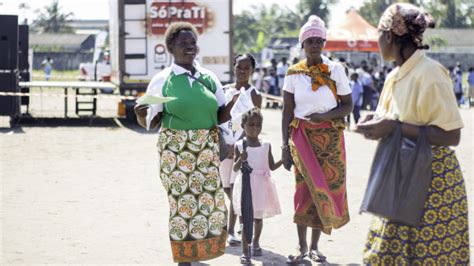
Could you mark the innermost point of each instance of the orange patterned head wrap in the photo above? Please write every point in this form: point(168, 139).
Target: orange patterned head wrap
point(404, 18)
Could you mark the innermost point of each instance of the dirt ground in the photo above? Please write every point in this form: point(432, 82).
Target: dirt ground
point(88, 192)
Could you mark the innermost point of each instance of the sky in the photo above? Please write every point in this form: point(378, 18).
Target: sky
point(99, 9)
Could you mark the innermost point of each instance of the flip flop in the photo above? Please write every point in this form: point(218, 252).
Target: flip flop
point(292, 259)
point(316, 256)
point(245, 260)
point(257, 251)
point(233, 240)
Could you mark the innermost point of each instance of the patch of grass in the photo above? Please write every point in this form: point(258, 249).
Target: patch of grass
point(56, 75)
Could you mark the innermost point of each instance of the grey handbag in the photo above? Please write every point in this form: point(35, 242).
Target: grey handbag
point(223, 148)
point(400, 177)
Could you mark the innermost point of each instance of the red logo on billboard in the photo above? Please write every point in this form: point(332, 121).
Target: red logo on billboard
point(163, 12)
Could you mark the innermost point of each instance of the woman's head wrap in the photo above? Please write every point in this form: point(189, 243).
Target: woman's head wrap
point(404, 18)
point(314, 27)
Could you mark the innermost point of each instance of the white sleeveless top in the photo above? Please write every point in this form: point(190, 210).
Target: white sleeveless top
point(232, 129)
point(257, 157)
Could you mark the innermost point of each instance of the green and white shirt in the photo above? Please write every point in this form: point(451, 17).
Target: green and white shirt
point(196, 105)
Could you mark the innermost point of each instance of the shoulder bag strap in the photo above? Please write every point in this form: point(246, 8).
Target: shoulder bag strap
point(200, 81)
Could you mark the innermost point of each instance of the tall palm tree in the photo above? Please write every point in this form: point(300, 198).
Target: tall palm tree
point(51, 19)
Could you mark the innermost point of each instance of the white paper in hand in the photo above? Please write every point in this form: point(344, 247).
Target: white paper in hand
point(150, 99)
point(242, 105)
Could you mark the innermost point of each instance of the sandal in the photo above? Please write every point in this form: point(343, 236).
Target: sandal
point(296, 259)
point(316, 256)
point(233, 240)
point(257, 252)
point(245, 260)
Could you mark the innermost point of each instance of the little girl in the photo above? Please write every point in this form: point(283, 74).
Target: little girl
point(259, 156)
point(244, 65)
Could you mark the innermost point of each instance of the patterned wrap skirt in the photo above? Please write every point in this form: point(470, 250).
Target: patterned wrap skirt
point(442, 238)
point(319, 155)
point(189, 172)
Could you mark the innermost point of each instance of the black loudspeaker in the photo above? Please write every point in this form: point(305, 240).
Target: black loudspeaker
point(8, 42)
point(25, 76)
point(23, 43)
point(9, 105)
point(23, 63)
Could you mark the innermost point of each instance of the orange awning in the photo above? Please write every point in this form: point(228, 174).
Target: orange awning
point(352, 33)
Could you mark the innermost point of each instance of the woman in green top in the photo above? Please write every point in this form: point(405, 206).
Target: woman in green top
point(188, 147)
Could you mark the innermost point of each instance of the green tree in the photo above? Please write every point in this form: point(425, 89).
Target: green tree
point(254, 29)
point(452, 13)
point(315, 7)
point(447, 13)
point(52, 19)
point(436, 41)
point(244, 31)
point(373, 9)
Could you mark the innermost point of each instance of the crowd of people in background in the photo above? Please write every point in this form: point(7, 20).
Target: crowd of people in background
point(366, 83)
point(369, 76)
point(464, 92)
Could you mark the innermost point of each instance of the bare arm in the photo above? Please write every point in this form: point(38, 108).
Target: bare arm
point(287, 117)
point(436, 136)
point(273, 165)
point(379, 128)
point(238, 158)
point(141, 112)
point(223, 114)
point(344, 108)
point(256, 99)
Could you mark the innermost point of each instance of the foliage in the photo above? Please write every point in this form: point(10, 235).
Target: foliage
point(447, 13)
point(254, 28)
point(452, 13)
point(315, 7)
point(51, 19)
point(373, 9)
point(436, 41)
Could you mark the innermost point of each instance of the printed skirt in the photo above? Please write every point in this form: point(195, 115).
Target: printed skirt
point(318, 152)
point(442, 238)
point(189, 172)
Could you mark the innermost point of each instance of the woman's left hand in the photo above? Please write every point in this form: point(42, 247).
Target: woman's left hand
point(316, 117)
point(286, 158)
point(377, 128)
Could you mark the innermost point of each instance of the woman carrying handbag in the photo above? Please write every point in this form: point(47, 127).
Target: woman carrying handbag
point(418, 94)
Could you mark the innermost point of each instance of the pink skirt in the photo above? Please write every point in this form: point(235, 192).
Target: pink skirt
point(264, 195)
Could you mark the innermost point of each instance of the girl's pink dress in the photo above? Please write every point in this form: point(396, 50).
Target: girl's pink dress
point(264, 195)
